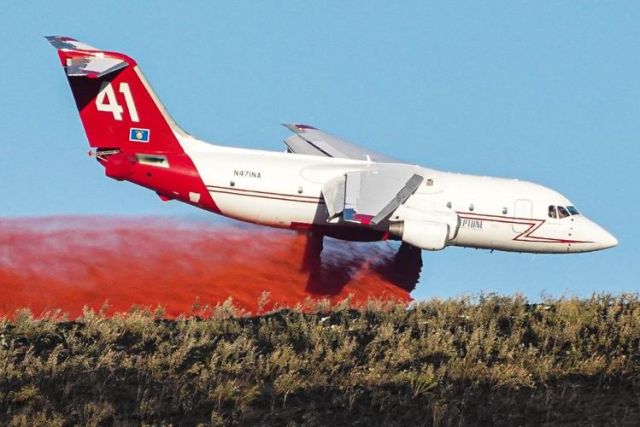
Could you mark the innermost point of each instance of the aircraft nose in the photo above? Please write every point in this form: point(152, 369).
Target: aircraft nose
point(603, 239)
point(608, 241)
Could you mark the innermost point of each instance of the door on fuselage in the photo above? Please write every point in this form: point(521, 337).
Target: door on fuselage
point(523, 210)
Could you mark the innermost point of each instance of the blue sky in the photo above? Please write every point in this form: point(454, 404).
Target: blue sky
point(543, 91)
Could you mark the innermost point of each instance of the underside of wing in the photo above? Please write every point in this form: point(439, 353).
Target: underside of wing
point(309, 140)
point(383, 197)
point(370, 196)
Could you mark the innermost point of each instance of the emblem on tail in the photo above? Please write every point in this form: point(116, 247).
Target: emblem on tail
point(119, 112)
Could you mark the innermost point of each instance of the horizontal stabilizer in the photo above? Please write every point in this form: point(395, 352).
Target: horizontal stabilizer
point(84, 60)
point(95, 67)
point(68, 43)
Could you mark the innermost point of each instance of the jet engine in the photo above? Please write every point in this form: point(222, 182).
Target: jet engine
point(428, 235)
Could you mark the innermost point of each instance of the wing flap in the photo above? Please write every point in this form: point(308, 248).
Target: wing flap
point(370, 196)
point(334, 195)
point(405, 192)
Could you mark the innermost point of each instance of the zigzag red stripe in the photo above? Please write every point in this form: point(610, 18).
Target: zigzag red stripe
point(526, 235)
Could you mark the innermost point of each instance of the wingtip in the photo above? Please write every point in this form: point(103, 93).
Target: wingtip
point(303, 126)
point(60, 37)
point(297, 127)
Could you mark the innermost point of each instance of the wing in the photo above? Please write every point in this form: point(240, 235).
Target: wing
point(370, 196)
point(309, 140)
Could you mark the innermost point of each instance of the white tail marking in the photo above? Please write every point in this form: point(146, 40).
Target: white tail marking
point(111, 105)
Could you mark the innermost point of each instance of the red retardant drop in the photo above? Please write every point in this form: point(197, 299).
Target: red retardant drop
point(68, 263)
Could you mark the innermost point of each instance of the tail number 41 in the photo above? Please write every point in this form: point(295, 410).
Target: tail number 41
point(106, 101)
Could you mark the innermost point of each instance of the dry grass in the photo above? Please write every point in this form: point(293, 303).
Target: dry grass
point(490, 359)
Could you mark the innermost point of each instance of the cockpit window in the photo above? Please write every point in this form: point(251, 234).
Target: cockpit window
point(573, 210)
point(562, 212)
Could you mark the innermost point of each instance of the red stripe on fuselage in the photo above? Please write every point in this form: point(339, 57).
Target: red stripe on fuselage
point(265, 194)
point(525, 236)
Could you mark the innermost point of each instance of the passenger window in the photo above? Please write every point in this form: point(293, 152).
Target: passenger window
point(552, 212)
point(562, 212)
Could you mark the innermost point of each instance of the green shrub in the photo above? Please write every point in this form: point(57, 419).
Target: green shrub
point(490, 359)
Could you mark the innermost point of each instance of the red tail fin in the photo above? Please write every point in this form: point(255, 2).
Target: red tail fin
point(118, 108)
point(134, 137)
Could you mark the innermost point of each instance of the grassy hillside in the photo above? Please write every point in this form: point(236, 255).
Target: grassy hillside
point(492, 360)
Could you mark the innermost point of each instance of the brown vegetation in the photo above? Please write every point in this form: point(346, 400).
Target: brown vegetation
point(487, 360)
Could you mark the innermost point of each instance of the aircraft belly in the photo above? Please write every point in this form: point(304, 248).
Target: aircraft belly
point(263, 190)
point(267, 210)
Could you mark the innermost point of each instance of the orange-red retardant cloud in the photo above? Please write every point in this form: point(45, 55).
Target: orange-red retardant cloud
point(67, 263)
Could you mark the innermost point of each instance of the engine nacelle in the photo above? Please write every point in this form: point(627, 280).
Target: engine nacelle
point(428, 235)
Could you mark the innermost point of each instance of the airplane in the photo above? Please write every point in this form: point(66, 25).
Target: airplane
point(321, 185)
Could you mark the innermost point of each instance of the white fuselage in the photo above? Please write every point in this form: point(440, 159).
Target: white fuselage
point(326, 191)
point(284, 190)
